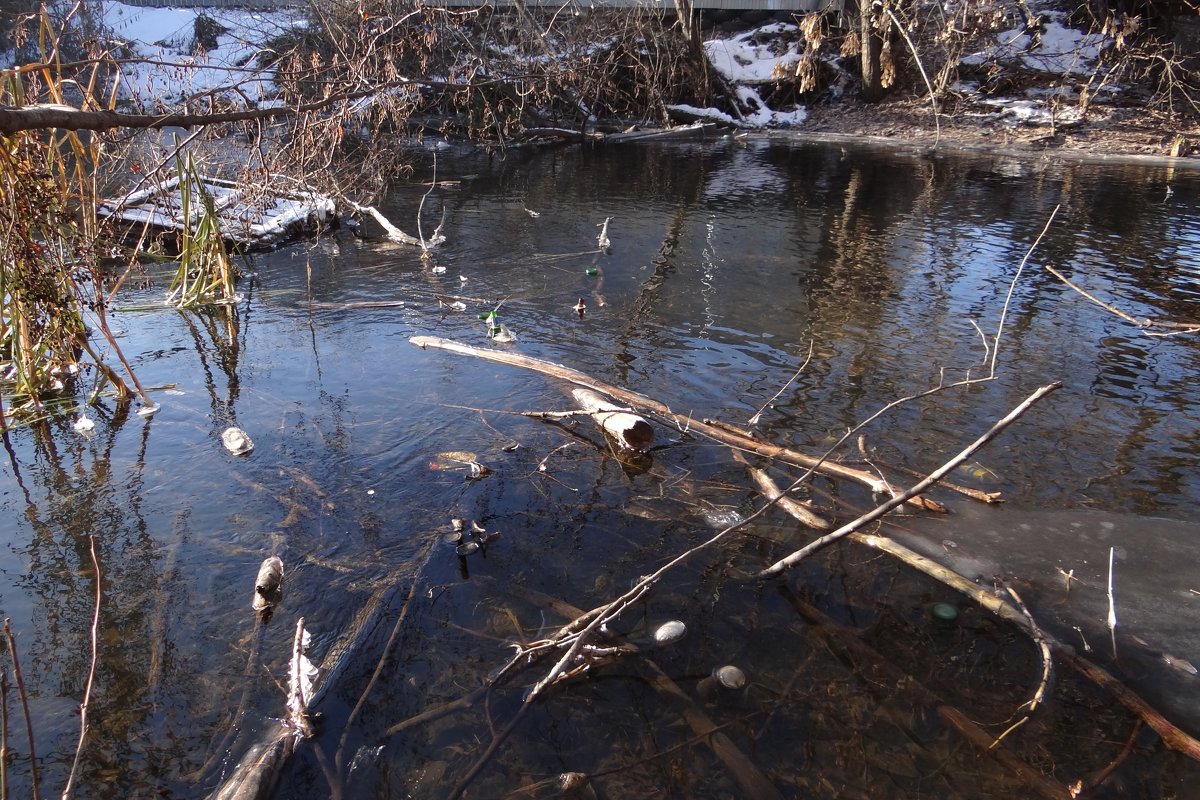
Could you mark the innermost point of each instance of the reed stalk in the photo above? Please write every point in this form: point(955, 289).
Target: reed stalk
point(207, 273)
point(52, 288)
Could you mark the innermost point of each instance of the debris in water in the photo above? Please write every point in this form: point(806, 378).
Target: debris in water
point(724, 682)
point(602, 240)
point(148, 411)
point(944, 612)
point(268, 588)
point(84, 424)
point(532, 213)
point(579, 307)
point(237, 441)
point(669, 632)
point(1181, 664)
point(729, 677)
point(469, 542)
point(721, 518)
point(500, 334)
point(455, 460)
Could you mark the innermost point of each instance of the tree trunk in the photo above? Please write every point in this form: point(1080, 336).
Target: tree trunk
point(871, 50)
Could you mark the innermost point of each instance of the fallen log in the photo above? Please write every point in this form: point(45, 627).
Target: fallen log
point(744, 771)
point(257, 773)
point(769, 489)
point(720, 433)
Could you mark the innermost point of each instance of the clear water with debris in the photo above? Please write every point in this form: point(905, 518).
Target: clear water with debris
point(732, 263)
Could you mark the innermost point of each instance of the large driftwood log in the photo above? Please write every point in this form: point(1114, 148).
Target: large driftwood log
point(721, 433)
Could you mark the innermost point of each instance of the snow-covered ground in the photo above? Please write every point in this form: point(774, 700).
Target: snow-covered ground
point(166, 65)
point(170, 66)
point(746, 63)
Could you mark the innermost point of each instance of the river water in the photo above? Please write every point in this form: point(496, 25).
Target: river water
point(732, 264)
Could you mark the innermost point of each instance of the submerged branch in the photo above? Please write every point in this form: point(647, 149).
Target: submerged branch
point(1175, 737)
point(918, 488)
point(69, 789)
point(24, 697)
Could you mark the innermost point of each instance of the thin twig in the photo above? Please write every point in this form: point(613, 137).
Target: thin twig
point(425, 245)
point(965, 491)
point(12, 651)
point(1176, 327)
point(758, 414)
point(1112, 605)
point(937, 122)
point(1013, 286)
point(69, 789)
point(1030, 705)
point(3, 734)
point(1092, 781)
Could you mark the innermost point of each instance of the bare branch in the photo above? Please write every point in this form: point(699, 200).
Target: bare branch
point(922, 486)
point(69, 789)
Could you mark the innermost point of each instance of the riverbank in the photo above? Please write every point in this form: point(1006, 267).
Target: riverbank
point(1107, 133)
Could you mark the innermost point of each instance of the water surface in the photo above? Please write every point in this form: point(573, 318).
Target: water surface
point(732, 263)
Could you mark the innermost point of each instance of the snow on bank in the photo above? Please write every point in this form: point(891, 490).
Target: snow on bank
point(749, 59)
point(1055, 49)
point(174, 68)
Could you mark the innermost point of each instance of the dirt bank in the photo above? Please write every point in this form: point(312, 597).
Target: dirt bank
point(1107, 133)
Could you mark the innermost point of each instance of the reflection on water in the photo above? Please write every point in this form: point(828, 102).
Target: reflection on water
point(730, 262)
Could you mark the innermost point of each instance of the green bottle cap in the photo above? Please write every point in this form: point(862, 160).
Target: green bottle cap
point(944, 612)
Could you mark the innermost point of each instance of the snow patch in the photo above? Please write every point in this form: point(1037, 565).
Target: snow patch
point(745, 60)
point(167, 35)
point(1055, 48)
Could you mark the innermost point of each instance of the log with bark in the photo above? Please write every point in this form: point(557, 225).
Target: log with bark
point(726, 435)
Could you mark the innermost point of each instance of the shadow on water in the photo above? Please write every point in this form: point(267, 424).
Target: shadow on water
point(730, 261)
